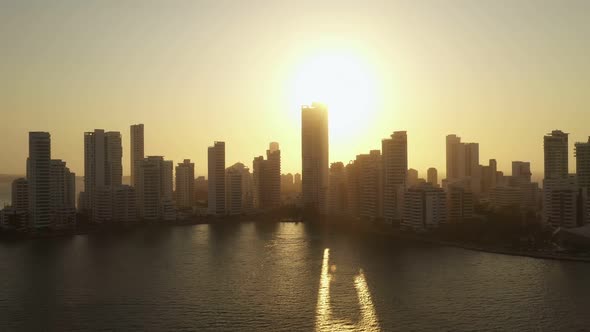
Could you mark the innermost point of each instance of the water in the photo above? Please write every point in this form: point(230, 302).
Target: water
point(280, 277)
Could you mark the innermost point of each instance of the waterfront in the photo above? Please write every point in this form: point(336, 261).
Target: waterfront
point(279, 276)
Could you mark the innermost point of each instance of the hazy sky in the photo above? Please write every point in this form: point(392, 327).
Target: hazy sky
point(501, 73)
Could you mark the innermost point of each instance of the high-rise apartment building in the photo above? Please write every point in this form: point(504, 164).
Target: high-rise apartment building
point(315, 157)
point(154, 183)
point(555, 146)
point(267, 179)
point(136, 150)
point(370, 185)
point(216, 174)
point(432, 176)
point(337, 190)
point(185, 184)
point(582, 153)
point(39, 179)
point(425, 208)
point(63, 195)
point(395, 168)
point(558, 187)
point(20, 195)
point(103, 168)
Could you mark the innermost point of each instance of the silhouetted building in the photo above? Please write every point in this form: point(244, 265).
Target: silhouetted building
point(216, 171)
point(20, 195)
point(412, 177)
point(315, 157)
point(63, 195)
point(137, 150)
point(201, 189)
point(297, 182)
point(459, 204)
point(370, 185)
point(124, 204)
point(463, 163)
point(238, 189)
point(337, 191)
point(432, 176)
point(353, 188)
point(154, 192)
point(103, 167)
point(39, 179)
point(185, 184)
point(395, 168)
point(582, 153)
point(267, 179)
point(425, 208)
point(555, 146)
point(287, 184)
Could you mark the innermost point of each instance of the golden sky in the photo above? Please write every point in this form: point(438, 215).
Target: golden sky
point(501, 73)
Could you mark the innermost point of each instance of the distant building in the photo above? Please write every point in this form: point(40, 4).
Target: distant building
point(267, 179)
point(555, 147)
point(297, 182)
point(287, 184)
point(395, 166)
point(463, 162)
point(353, 188)
point(582, 153)
point(216, 171)
point(459, 204)
point(370, 185)
point(154, 184)
point(185, 184)
point(432, 176)
point(39, 179)
point(63, 195)
point(124, 204)
point(238, 189)
point(201, 189)
point(103, 168)
point(137, 150)
point(506, 197)
point(561, 202)
point(20, 195)
point(315, 157)
point(557, 185)
point(337, 190)
point(412, 177)
point(425, 208)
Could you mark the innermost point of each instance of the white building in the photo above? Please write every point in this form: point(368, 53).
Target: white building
point(137, 150)
point(39, 179)
point(185, 184)
point(315, 157)
point(216, 178)
point(395, 167)
point(425, 208)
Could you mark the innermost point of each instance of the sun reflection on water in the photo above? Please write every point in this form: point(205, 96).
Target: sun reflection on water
point(324, 319)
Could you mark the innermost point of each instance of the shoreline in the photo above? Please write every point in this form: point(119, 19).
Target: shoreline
point(382, 230)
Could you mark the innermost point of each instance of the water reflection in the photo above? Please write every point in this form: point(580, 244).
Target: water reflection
point(325, 321)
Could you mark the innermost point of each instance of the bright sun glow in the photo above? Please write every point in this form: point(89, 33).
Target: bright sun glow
point(344, 82)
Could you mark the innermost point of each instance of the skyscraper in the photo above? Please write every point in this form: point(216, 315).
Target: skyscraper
point(137, 150)
point(39, 179)
point(337, 192)
point(238, 189)
point(185, 184)
point(555, 147)
point(395, 168)
point(63, 194)
point(454, 153)
point(432, 176)
point(370, 185)
point(216, 174)
point(103, 168)
point(267, 179)
point(425, 208)
point(315, 157)
point(412, 177)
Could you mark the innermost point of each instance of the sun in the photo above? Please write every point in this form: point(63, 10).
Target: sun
point(345, 82)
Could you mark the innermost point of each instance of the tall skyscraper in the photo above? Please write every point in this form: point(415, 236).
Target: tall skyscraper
point(216, 174)
point(455, 164)
point(137, 150)
point(185, 184)
point(560, 191)
point(555, 147)
point(267, 179)
point(432, 176)
point(39, 179)
point(315, 157)
point(103, 168)
point(395, 168)
point(521, 171)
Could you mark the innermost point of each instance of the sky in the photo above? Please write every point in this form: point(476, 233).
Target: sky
point(500, 73)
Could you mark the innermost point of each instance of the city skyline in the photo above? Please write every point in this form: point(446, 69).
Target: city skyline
point(434, 76)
